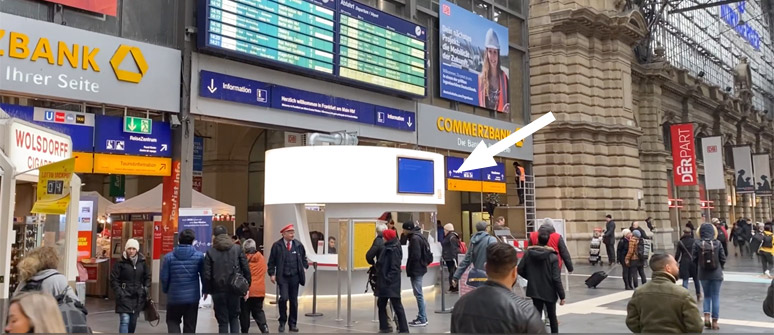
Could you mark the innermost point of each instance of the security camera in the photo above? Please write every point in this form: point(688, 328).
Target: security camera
point(174, 122)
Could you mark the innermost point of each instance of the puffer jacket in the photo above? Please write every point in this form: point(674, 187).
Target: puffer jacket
point(634, 256)
point(388, 270)
point(257, 264)
point(660, 306)
point(51, 281)
point(767, 235)
point(221, 261)
point(495, 309)
point(183, 267)
point(450, 246)
point(414, 266)
point(540, 267)
point(708, 234)
point(131, 283)
point(476, 253)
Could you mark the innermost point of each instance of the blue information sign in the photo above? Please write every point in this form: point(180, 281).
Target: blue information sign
point(111, 139)
point(453, 164)
point(198, 154)
point(311, 103)
point(230, 88)
point(79, 126)
point(494, 173)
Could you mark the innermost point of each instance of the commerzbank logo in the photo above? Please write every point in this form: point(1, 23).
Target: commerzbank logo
point(61, 53)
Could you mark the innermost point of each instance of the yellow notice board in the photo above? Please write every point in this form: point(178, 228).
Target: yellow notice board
point(363, 237)
point(132, 165)
point(84, 162)
point(54, 187)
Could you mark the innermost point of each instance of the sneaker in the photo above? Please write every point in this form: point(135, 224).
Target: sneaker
point(418, 323)
point(767, 273)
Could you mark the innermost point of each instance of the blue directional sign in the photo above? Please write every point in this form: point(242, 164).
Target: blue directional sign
point(224, 87)
point(79, 126)
point(300, 101)
point(110, 139)
point(395, 118)
point(453, 164)
point(494, 173)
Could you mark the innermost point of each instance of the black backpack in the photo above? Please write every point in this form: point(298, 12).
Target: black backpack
point(708, 258)
point(73, 311)
point(768, 241)
point(756, 242)
point(427, 254)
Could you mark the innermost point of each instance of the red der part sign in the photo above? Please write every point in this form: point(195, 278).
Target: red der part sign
point(31, 147)
point(683, 154)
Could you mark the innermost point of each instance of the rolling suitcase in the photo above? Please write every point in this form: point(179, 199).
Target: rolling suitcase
point(598, 277)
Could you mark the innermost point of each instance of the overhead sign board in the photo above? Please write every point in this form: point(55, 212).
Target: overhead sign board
point(109, 138)
point(45, 59)
point(31, 146)
point(339, 39)
point(488, 180)
point(79, 126)
point(241, 90)
point(132, 165)
point(457, 131)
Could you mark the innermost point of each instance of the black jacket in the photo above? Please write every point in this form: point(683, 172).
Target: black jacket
point(708, 233)
point(130, 283)
point(450, 246)
point(684, 256)
point(414, 266)
point(373, 254)
point(768, 303)
point(540, 267)
point(622, 250)
point(277, 260)
point(388, 270)
point(494, 309)
point(561, 246)
point(220, 263)
point(609, 237)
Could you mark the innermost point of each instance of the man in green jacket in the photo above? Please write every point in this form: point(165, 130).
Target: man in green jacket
point(661, 306)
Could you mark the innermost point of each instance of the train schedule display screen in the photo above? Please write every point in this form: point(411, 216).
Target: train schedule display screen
point(343, 39)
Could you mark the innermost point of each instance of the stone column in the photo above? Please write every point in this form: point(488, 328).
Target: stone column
point(587, 163)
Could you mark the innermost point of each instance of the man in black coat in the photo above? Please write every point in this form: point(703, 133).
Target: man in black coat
point(684, 257)
point(220, 265)
point(287, 268)
point(540, 267)
point(416, 269)
point(388, 283)
point(609, 238)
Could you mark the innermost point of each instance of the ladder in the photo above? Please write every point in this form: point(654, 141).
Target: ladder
point(529, 203)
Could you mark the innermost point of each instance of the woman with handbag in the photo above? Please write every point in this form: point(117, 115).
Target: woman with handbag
point(684, 257)
point(130, 281)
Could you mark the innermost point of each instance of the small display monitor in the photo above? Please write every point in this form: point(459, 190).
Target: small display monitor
point(416, 176)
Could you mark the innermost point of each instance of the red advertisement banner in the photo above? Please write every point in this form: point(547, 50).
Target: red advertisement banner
point(683, 154)
point(138, 229)
point(84, 244)
point(170, 203)
point(157, 237)
point(107, 7)
point(118, 230)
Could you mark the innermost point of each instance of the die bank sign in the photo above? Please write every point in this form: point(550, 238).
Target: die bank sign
point(45, 59)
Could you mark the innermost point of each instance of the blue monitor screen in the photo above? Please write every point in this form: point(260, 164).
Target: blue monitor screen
point(415, 176)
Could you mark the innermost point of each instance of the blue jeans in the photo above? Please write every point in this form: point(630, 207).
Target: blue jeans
point(128, 323)
point(696, 283)
point(712, 297)
point(416, 284)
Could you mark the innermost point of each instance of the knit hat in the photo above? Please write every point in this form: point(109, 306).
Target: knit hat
point(132, 243)
point(637, 234)
point(408, 225)
point(715, 221)
point(448, 227)
point(389, 235)
point(625, 232)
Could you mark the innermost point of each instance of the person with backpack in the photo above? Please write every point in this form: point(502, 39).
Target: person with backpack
point(766, 250)
point(38, 272)
point(635, 258)
point(253, 302)
point(451, 248)
point(684, 257)
point(540, 266)
point(34, 312)
point(183, 267)
point(419, 257)
point(227, 278)
point(722, 234)
point(131, 281)
point(287, 268)
point(710, 259)
point(388, 283)
point(476, 254)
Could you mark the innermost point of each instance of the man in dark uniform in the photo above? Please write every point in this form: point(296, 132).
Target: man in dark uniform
point(287, 268)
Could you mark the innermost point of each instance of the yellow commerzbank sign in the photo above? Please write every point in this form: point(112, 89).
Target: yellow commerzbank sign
point(472, 129)
point(61, 53)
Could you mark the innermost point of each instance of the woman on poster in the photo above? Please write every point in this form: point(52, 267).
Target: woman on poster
point(493, 82)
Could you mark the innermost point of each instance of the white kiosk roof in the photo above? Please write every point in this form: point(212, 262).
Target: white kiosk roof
point(150, 202)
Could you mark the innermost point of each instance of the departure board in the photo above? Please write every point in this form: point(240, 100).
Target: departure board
point(344, 39)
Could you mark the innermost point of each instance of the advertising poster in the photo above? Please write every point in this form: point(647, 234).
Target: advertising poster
point(683, 154)
point(200, 221)
point(157, 237)
point(713, 163)
point(54, 187)
point(84, 244)
point(745, 181)
point(169, 208)
point(762, 174)
point(474, 59)
point(85, 226)
point(107, 7)
point(198, 162)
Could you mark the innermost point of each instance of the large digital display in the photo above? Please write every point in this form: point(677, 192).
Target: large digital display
point(415, 176)
point(340, 38)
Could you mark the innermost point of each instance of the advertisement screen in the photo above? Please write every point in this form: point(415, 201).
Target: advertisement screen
point(474, 59)
point(415, 176)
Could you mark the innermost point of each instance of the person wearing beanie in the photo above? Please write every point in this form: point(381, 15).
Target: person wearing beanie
point(635, 258)
point(254, 303)
point(684, 258)
point(388, 283)
point(416, 268)
point(287, 268)
point(450, 249)
point(476, 254)
point(621, 251)
point(184, 267)
point(493, 82)
point(710, 259)
point(221, 264)
point(130, 280)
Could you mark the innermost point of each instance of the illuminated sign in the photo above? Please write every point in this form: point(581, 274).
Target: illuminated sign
point(132, 165)
point(734, 19)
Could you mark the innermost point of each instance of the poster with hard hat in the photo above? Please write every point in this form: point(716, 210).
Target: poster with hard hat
point(474, 59)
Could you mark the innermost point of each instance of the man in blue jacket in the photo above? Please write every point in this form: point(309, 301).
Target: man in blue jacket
point(183, 267)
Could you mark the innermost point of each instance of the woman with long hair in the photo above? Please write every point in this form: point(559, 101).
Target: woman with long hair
point(38, 272)
point(34, 312)
point(493, 82)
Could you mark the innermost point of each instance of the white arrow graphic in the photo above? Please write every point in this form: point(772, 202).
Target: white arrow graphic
point(482, 156)
point(212, 87)
point(163, 147)
point(409, 122)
